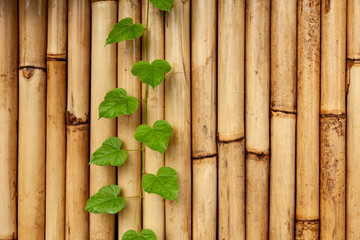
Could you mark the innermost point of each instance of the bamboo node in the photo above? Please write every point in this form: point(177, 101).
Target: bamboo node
point(28, 72)
point(71, 119)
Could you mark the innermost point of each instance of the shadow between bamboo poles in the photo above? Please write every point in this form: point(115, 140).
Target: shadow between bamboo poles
point(129, 174)
point(77, 151)
point(178, 114)
point(55, 124)
point(307, 138)
point(283, 119)
point(332, 120)
point(32, 87)
point(153, 205)
point(8, 117)
point(257, 117)
point(203, 91)
point(103, 79)
point(231, 64)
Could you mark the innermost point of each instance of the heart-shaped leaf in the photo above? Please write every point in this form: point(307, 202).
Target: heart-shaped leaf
point(152, 74)
point(117, 102)
point(109, 153)
point(164, 184)
point(145, 234)
point(125, 30)
point(156, 137)
point(106, 200)
point(164, 5)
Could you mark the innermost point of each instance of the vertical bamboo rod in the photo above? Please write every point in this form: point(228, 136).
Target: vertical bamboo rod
point(203, 90)
point(307, 140)
point(103, 79)
point(257, 117)
point(32, 87)
point(353, 29)
point(178, 113)
point(55, 124)
point(8, 117)
point(332, 120)
point(129, 174)
point(283, 119)
point(231, 74)
point(77, 120)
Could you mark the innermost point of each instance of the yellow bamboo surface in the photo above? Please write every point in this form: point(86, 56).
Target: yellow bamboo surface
point(178, 114)
point(353, 32)
point(129, 173)
point(103, 79)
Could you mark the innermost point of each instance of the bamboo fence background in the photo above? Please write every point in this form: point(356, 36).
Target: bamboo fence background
point(263, 96)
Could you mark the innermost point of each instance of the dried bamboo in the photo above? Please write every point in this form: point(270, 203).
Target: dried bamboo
point(103, 79)
point(32, 86)
point(77, 120)
point(8, 117)
point(231, 64)
point(332, 120)
point(257, 117)
point(203, 92)
point(307, 141)
point(129, 174)
point(353, 29)
point(283, 119)
point(178, 114)
point(55, 124)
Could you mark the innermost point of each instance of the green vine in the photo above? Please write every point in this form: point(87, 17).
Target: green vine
point(156, 137)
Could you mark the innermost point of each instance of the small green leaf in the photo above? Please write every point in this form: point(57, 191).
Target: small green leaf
point(156, 137)
point(117, 102)
point(109, 153)
point(152, 74)
point(145, 234)
point(125, 30)
point(106, 200)
point(164, 5)
point(164, 184)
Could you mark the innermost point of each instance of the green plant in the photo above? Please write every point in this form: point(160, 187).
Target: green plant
point(116, 102)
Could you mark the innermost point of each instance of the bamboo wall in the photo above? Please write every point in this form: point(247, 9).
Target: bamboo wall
point(263, 96)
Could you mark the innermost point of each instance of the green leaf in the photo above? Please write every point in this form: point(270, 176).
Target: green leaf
point(109, 153)
point(145, 234)
point(106, 200)
point(117, 102)
point(164, 5)
point(125, 30)
point(164, 184)
point(152, 74)
point(156, 137)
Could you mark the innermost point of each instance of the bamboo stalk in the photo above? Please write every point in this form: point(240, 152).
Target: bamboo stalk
point(32, 86)
point(8, 117)
point(203, 93)
point(257, 117)
point(129, 174)
point(178, 113)
point(332, 120)
point(283, 119)
point(307, 141)
point(353, 32)
point(77, 120)
point(103, 79)
point(55, 124)
point(231, 64)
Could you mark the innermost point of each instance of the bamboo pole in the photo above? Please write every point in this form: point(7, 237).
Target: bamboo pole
point(231, 74)
point(178, 114)
point(332, 120)
point(307, 141)
point(8, 117)
point(55, 124)
point(283, 119)
point(129, 174)
point(257, 117)
point(32, 87)
point(203, 90)
point(77, 120)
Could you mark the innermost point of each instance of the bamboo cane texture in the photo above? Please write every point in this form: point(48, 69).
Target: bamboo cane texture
point(353, 32)
point(57, 29)
point(103, 79)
